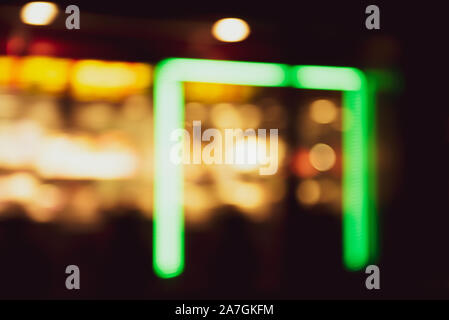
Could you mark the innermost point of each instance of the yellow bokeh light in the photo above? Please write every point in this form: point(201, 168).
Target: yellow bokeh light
point(19, 143)
point(9, 106)
point(323, 111)
point(46, 203)
point(198, 203)
point(82, 158)
point(322, 157)
point(7, 65)
point(40, 215)
point(95, 79)
point(44, 113)
point(225, 115)
point(308, 192)
point(44, 73)
point(48, 196)
point(38, 13)
point(20, 187)
point(230, 30)
point(216, 92)
point(248, 196)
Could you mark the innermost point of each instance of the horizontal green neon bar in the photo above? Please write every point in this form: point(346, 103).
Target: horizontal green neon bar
point(168, 250)
point(225, 72)
point(328, 78)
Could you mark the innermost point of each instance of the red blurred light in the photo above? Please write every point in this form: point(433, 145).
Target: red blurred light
point(301, 165)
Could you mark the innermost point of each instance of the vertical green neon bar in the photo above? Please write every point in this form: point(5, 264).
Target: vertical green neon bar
point(358, 198)
point(168, 235)
point(168, 241)
point(356, 188)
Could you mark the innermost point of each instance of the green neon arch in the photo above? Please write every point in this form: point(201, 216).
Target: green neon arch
point(358, 142)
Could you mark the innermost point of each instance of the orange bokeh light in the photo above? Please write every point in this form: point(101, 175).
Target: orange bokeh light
point(301, 165)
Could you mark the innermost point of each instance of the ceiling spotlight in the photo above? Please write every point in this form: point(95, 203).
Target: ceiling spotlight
point(230, 30)
point(38, 13)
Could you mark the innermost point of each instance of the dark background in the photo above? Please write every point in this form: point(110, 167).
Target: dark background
point(115, 262)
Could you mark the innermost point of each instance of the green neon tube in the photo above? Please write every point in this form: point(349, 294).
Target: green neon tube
point(328, 78)
point(168, 234)
point(168, 247)
point(358, 139)
point(357, 202)
point(358, 199)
